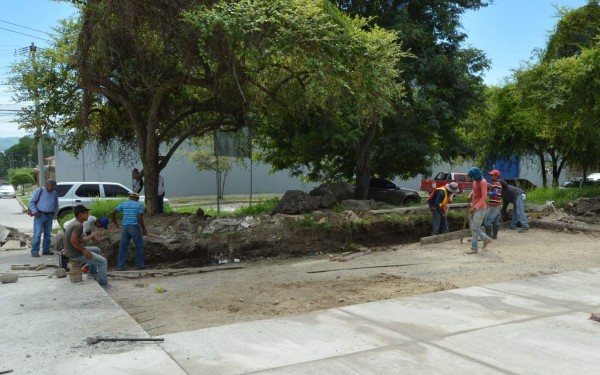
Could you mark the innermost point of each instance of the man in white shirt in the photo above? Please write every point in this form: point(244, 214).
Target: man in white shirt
point(91, 224)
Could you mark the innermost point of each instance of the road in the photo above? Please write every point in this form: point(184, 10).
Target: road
point(11, 215)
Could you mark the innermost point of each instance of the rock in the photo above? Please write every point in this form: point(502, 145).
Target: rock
point(332, 193)
point(9, 278)
point(296, 202)
point(4, 232)
point(12, 245)
point(60, 273)
point(338, 190)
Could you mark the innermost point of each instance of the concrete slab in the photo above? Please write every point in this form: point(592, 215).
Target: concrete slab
point(575, 290)
point(531, 326)
point(45, 323)
point(253, 346)
point(402, 359)
point(518, 327)
point(436, 315)
point(564, 344)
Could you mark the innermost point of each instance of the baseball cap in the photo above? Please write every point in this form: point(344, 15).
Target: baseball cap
point(104, 221)
point(80, 209)
point(495, 172)
point(51, 182)
point(134, 195)
point(452, 187)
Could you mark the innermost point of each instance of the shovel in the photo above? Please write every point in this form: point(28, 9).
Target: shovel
point(462, 234)
point(551, 204)
point(97, 339)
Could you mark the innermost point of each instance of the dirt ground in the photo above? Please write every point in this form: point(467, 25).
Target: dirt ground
point(272, 287)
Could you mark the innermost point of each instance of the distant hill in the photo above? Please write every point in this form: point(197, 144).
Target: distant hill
point(8, 142)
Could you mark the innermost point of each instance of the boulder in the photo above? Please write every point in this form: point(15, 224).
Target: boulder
point(9, 278)
point(4, 232)
point(12, 245)
point(296, 202)
point(60, 273)
point(332, 193)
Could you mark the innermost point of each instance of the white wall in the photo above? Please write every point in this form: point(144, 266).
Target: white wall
point(181, 176)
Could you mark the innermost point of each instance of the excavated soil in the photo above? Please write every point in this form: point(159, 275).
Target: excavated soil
point(288, 264)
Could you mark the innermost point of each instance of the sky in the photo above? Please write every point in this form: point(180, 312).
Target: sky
point(507, 31)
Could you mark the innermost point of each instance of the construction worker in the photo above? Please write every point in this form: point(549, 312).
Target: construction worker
point(492, 216)
point(478, 200)
point(438, 202)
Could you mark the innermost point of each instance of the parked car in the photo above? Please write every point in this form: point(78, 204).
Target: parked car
point(7, 190)
point(71, 194)
point(384, 190)
point(521, 183)
point(465, 184)
point(578, 182)
point(593, 177)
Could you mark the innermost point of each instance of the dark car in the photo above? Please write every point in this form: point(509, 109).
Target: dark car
point(384, 190)
point(521, 183)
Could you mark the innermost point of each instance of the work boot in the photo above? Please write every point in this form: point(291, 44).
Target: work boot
point(488, 231)
point(495, 228)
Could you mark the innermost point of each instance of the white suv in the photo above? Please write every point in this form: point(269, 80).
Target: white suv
point(71, 194)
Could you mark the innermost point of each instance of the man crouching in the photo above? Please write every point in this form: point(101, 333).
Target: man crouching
point(74, 249)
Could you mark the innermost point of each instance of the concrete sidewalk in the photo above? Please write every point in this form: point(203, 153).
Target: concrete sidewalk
point(44, 324)
point(531, 326)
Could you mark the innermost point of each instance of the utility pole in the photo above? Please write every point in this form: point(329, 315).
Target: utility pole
point(40, 146)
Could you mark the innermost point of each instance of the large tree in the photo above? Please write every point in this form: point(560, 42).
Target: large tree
point(442, 80)
point(154, 73)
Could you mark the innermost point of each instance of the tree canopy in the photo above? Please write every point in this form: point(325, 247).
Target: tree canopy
point(139, 78)
point(549, 109)
point(442, 80)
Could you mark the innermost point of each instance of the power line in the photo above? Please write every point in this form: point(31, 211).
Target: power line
point(25, 27)
point(32, 36)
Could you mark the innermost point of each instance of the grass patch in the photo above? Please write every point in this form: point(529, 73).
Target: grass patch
point(264, 206)
point(561, 197)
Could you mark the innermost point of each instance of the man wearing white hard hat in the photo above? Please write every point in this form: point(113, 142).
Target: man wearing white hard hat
point(438, 202)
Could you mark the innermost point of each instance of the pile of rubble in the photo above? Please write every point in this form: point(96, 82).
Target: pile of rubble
point(13, 239)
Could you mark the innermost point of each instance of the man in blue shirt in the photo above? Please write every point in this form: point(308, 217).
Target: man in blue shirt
point(44, 206)
point(133, 228)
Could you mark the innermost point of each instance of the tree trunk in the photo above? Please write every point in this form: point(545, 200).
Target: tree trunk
point(556, 170)
point(540, 155)
point(150, 160)
point(363, 163)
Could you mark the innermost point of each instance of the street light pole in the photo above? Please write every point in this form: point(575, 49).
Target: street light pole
point(40, 146)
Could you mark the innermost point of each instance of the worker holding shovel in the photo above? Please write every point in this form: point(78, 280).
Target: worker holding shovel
point(438, 204)
point(478, 207)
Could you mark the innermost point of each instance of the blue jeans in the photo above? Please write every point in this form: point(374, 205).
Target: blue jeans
point(440, 223)
point(42, 224)
point(518, 213)
point(475, 225)
point(493, 215)
point(98, 264)
point(129, 232)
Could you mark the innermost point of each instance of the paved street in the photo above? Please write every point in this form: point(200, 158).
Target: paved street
point(11, 215)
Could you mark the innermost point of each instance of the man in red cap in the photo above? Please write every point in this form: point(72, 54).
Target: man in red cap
point(492, 217)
